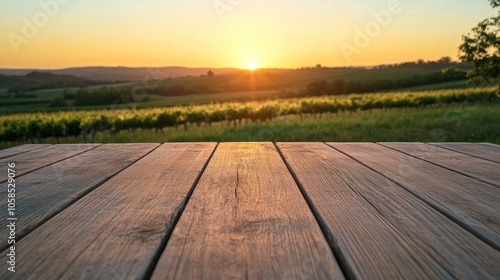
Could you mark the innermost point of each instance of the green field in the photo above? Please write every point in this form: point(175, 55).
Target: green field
point(450, 123)
point(454, 123)
point(244, 86)
point(453, 115)
point(440, 86)
point(44, 97)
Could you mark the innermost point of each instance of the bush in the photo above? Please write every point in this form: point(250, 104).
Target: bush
point(69, 96)
point(57, 103)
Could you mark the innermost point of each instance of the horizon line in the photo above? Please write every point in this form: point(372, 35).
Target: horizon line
point(221, 67)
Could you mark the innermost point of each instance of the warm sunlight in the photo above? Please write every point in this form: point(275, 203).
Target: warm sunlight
point(252, 66)
point(208, 94)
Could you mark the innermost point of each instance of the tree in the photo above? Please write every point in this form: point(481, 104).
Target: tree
point(444, 60)
point(337, 87)
point(58, 102)
point(316, 88)
point(482, 48)
point(210, 73)
point(451, 71)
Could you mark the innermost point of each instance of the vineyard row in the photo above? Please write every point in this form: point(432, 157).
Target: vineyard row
point(22, 127)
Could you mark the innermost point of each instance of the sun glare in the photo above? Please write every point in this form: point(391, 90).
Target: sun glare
point(252, 66)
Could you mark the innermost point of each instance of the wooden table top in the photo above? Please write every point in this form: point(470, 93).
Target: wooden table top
point(251, 211)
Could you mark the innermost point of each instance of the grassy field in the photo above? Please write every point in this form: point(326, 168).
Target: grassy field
point(27, 105)
point(469, 114)
point(44, 97)
point(440, 86)
point(477, 123)
point(452, 123)
point(264, 84)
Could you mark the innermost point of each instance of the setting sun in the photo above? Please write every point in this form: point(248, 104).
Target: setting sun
point(252, 66)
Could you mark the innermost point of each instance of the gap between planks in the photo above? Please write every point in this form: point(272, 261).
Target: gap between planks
point(116, 231)
point(447, 191)
point(477, 168)
point(49, 190)
point(35, 159)
point(487, 152)
point(247, 219)
point(21, 149)
point(365, 215)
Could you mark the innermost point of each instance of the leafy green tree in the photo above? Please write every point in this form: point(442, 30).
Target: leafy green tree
point(482, 48)
point(316, 88)
point(452, 71)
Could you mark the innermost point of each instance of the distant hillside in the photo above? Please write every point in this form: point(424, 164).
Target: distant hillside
point(355, 79)
point(184, 80)
point(127, 73)
point(43, 80)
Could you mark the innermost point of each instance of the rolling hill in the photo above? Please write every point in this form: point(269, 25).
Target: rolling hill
point(124, 73)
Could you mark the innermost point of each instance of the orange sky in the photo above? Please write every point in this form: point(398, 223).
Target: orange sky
point(279, 33)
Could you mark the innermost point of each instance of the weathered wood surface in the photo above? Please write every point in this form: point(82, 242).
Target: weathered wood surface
point(317, 211)
point(491, 144)
point(473, 204)
point(21, 149)
point(477, 168)
point(484, 151)
point(33, 160)
point(247, 220)
point(368, 216)
point(117, 231)
point(43, 193)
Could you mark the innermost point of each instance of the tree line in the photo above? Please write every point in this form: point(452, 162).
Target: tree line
point(106, 96)
point(340, 86)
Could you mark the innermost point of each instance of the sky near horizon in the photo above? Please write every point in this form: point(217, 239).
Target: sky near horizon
point(232, 33)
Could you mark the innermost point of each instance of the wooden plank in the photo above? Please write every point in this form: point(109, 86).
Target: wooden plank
point(21, 149)
point(380, 230)
point(471, 203)
point(43, 193)
point(477, 168)
point(487, 152)
point(117, 230)
point(247, 220)
point(30, 161)
point(490, 144)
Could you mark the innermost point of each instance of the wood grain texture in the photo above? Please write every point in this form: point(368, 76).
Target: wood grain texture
point(117, 230)
point(247, 220)
point(380, 230)
point(471, 203)
point(21, 149)
point(488, 152)
point(43, 193)
point(477, 168)
point(36, 159)
point(490, 144)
